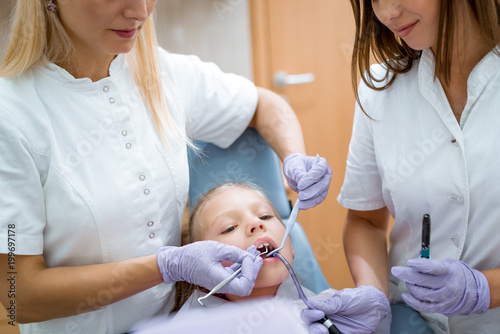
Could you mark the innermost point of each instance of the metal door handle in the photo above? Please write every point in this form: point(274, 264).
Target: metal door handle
point(282, 79)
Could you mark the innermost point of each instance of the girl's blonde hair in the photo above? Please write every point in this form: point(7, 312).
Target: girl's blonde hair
point(196, 229)
point(38, 36)
point(374, 39)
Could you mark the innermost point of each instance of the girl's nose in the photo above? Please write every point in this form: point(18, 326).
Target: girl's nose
point(256, 226)
point(387, 10)
point(137, 10)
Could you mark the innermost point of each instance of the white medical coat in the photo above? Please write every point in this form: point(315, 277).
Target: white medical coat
point(85, 178)
point(415, 158)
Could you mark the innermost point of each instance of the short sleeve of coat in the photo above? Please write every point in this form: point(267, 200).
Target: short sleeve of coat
point(22, 213)
point(218, 106)
point(362, 188)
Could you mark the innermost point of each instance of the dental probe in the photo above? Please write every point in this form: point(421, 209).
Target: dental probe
point(291, 220)
point(224, 282)
point(332, 329)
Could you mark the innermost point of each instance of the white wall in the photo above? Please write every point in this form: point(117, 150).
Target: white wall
point(215, 30)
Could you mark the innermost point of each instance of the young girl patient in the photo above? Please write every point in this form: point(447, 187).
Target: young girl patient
point(239, 214)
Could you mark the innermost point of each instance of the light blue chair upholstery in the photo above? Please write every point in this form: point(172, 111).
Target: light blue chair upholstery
point(251, 159)
point(405, 320)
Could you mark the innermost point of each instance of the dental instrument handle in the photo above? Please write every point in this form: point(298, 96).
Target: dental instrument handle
point(291, 220)
point(294, 278)
point(332, 329)
point(224, 282)
point(289, 225)
point(220, 285)
point(325, 321)
point(426, 237)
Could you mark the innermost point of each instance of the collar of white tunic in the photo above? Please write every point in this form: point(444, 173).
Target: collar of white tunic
point(478, 80)
point(60, 74)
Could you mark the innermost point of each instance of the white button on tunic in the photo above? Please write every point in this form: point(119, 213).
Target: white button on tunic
point(81, 189)
point(415, 158)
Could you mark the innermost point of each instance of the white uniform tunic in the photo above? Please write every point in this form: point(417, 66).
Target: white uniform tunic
point(85, 178)
point(415, 158)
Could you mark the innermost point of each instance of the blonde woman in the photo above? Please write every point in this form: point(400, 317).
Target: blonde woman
point(94, 124)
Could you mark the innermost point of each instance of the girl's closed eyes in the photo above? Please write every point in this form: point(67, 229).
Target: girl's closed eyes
point(232, 228)
point(229, 229)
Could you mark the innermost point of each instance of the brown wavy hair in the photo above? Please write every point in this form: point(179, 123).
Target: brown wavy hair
point(374, 39)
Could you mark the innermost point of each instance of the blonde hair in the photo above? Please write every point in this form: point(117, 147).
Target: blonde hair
point(38, 36)
point(196, 229)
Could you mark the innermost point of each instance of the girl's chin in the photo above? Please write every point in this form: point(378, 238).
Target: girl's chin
point(270, 280)
point(257, 292)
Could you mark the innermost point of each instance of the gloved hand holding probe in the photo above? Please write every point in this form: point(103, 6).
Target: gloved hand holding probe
point(359, 310)
point(200, 263)
point(309, 179)
point(449, 287)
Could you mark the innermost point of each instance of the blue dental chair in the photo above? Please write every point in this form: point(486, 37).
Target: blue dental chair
point(251, 159)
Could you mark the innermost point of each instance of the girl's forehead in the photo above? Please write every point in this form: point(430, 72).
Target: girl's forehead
point(238, 193)
point(233, 199)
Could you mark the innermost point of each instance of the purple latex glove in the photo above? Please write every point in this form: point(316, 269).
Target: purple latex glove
point(359, 310)
point(449, 287)
point(309, 180)
point(200, 263)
